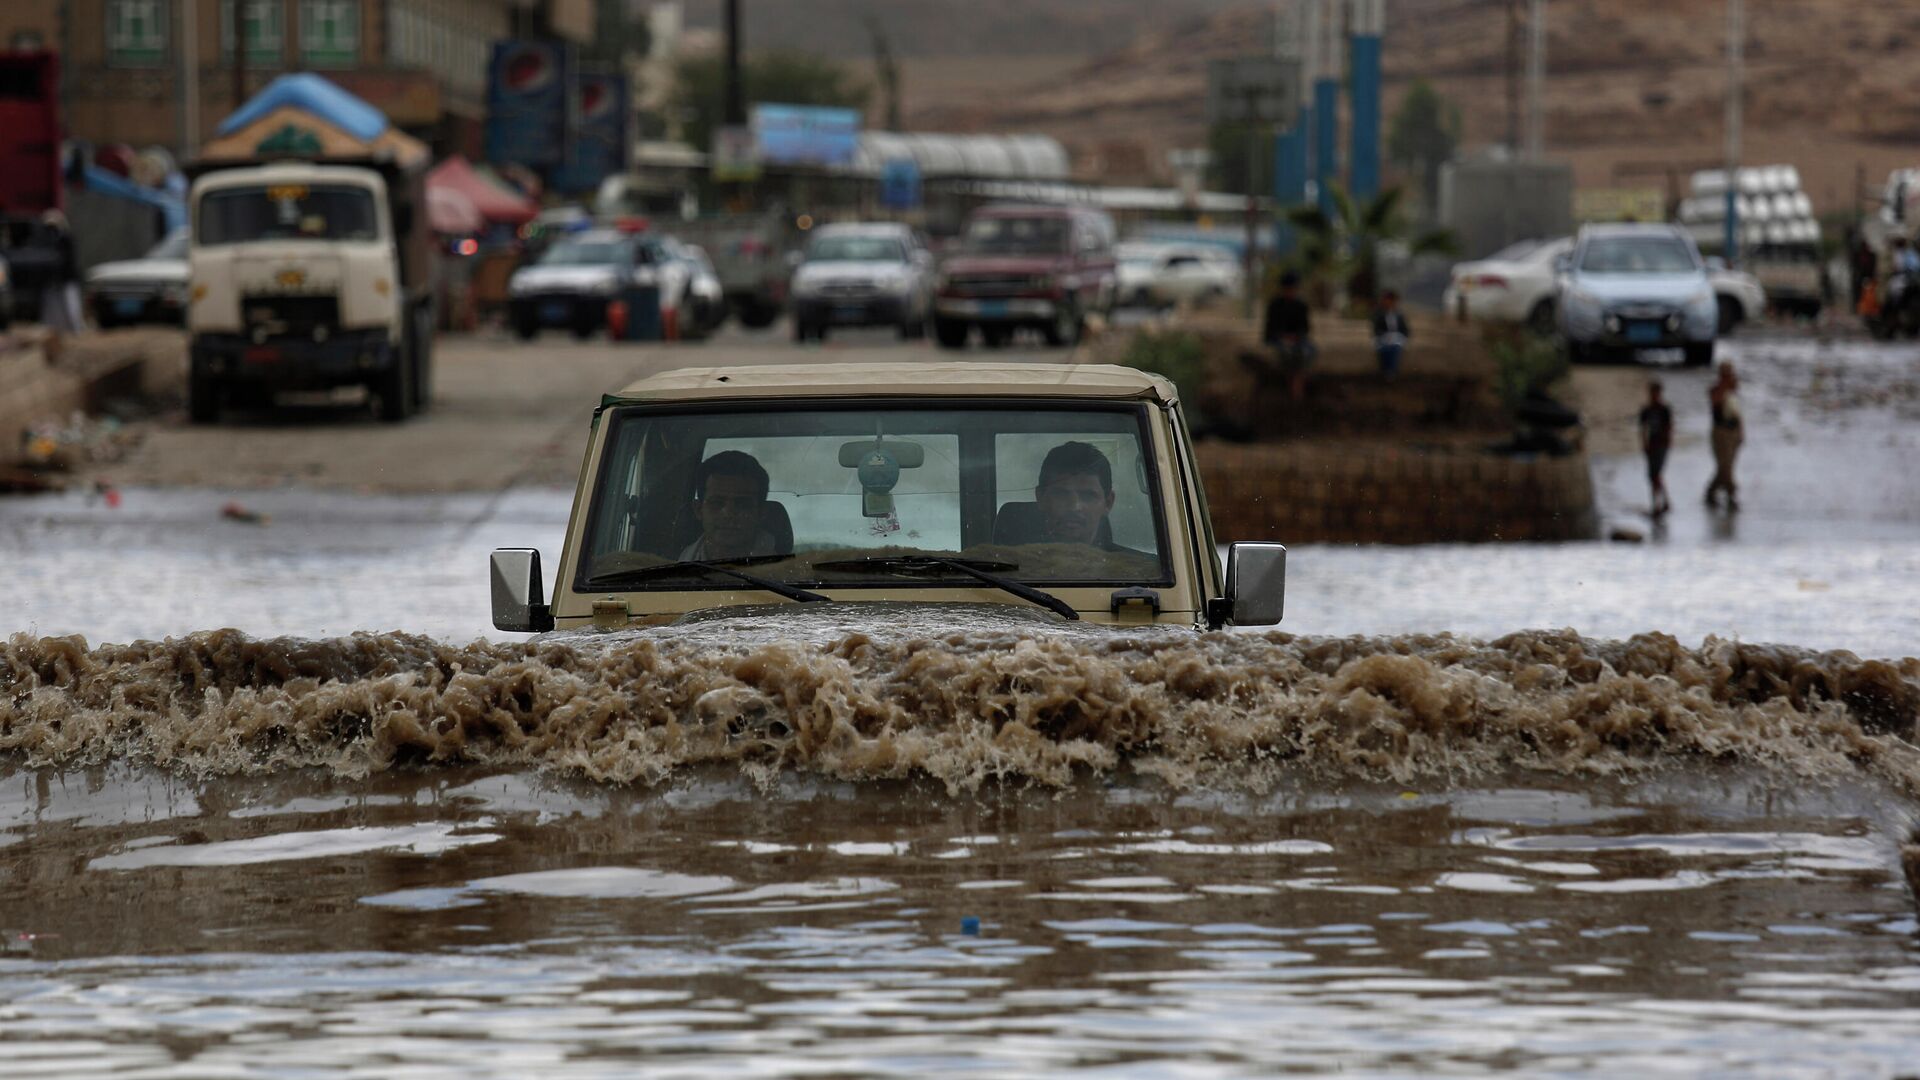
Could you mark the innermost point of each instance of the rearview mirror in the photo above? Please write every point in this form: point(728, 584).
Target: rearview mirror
point(519, 603)
point(1256, 583)
point(908, 455)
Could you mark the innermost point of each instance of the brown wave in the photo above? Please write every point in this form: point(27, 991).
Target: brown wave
point(964, 708)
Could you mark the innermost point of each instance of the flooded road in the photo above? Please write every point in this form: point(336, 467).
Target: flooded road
point(1649, 843)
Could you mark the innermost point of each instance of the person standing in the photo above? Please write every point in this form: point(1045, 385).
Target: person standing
point(1728, 433)
point(1656, 438)
point(1390, 333)
point(1289, 332)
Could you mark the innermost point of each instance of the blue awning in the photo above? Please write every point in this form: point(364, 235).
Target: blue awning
point(172, 209)
point(315, 95)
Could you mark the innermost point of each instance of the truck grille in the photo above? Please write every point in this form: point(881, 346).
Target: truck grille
point(1004, 285)
point(290, 316)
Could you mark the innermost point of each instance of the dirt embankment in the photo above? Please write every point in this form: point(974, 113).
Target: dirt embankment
point(1635, 90)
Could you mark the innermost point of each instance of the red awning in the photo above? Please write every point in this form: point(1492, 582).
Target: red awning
point(494, 204)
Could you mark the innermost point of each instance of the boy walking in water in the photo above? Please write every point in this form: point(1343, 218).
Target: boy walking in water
point(1656, 438)
point(1729, 431)
point(1389, 333)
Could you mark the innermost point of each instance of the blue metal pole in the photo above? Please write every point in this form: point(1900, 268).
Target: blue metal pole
point(1363, 155)
point(1326, 140)
point(1289, 180)
point(1730, 243)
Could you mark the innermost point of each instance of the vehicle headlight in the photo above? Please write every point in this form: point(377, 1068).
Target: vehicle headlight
point(604, 286)
point(805, 284)
point(898, 281)
point(516, 285)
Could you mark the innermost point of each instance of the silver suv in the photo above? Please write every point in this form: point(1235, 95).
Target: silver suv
point(1630, 287)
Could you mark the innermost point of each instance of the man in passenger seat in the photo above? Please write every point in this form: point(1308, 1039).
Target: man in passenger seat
point(1074, 494)
point(730, 497)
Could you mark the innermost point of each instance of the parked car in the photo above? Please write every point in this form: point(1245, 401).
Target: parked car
point(1516, 284)
point(1630, 287)
point(1159, 275)
point(1740, 296)
point(1038, 267)
point(573, 281)
point(6, 296)
point(752, 256)
point(152, 288)
point(862, 275)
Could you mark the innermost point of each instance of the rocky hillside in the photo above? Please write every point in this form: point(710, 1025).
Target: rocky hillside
point(1636, 87)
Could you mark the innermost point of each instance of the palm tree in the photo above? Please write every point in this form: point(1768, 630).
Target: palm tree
point(1345, 247)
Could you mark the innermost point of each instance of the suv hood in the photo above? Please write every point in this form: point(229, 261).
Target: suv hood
point(1654, 288)
point(849, 270)
point(563, 278)
point(162, 271)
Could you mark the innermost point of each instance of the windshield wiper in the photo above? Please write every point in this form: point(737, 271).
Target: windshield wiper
point(977, 569)
point(647, 573)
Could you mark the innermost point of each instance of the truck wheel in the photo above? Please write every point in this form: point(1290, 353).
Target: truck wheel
point(203, 400)
point(1541, 319)
point(758, 316)
point(1729, 313)
point(1699, 354)
point(1065, 327)
point(583, 330)
point(913, 328)
point(950, 334)
point(423, 364)
point(395, 390)
point(526, 329)
point(995, 337)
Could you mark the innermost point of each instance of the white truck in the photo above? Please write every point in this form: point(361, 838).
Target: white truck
point(309, 274)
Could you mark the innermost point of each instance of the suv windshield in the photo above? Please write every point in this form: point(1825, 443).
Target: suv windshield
point(831, 496)
point(855, 249)
point(1017, 235)
point(288, 212)
point(1637, 255)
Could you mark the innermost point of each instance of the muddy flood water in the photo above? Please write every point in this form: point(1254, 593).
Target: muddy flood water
point(358, 835)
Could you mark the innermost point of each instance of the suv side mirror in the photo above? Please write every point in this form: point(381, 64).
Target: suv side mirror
point(1562, 262)
point(519, 601)
point(1256, 584)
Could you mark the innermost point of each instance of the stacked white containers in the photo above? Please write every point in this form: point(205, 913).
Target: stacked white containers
point(1774, 212)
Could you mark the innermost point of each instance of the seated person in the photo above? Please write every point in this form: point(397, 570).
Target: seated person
point(1074, 495)
point(730, 498)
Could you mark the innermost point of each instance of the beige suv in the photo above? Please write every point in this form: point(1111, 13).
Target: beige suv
point(1051, 491)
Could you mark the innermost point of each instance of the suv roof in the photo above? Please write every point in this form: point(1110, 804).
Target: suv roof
point(949, 379)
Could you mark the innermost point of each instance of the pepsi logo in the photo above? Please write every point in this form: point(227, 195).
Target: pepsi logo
point(527, 69)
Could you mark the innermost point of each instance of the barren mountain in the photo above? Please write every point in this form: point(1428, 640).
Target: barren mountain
point(1636, 88)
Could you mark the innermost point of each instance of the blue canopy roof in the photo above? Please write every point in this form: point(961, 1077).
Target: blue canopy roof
point(172, 208)
point(315, 95)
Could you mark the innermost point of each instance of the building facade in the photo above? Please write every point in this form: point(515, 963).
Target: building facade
point(161, 72)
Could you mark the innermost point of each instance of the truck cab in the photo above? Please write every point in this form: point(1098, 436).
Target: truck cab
point(1065, 493)
point(300, 281)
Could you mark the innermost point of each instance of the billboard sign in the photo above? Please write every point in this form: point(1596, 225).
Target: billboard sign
point(735, 158)
point(900, 187)
point(599, 146)
point(805, 134)
point(528, 103)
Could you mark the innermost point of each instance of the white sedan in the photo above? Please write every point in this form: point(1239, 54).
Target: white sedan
point(1514, 285)
point(1518, 285)
point(1158, 275)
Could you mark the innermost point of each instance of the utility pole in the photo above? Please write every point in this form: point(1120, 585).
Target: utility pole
point(239, 52)
point(189, 78)
point(1513, 75)
point(1536, 77)
point(736, 109)
point(1736, 44)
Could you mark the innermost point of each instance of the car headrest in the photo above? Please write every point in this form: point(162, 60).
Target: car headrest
point(1021, 523)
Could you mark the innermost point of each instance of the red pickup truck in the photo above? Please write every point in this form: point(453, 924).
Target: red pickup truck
point(1038, 267)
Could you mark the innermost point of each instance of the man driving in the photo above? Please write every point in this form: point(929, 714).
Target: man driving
point(730, 497)
point(1074, 494)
